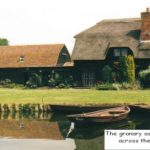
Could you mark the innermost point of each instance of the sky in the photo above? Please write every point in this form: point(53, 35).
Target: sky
point(25, 22)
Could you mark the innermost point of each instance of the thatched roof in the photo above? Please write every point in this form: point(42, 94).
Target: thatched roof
point(50, 55)
point(93, 43)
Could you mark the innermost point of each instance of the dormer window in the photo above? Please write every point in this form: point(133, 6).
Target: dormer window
point(21, 59)
point(124, 52)
point(118, 52)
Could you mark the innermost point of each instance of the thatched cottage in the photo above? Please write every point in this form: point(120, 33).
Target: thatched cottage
point(18, 62)
point(106, 41)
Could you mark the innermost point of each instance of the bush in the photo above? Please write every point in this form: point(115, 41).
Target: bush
point(130, 69)
point(105, 86)
point(69, 81)
point(131, 86)
point(123, 69)
point(57, 78)
point(119, 86)
point(34, 81)
point(144, 77)
point(31, 84)
point(65, 81)
point(61, 85)
point(7, 83)
point(127, 69)
point(107, 74)
point(54, 80)
point(51, 83)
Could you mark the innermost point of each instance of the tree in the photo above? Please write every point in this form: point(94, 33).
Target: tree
point(127, 69)
point(3, 41)
point(130, 69)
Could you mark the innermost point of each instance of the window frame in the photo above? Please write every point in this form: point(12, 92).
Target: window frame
point(120, 52)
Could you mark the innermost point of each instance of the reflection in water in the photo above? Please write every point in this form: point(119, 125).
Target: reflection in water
point(90, 144)
point(53, 131)
point(32, 129)
point(71, 129)
point(17, 116)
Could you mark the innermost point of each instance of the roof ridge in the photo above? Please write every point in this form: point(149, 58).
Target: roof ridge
point(60, 44)
point(120, 20)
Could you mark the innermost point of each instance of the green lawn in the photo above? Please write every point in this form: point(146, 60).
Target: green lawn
point(84, 96)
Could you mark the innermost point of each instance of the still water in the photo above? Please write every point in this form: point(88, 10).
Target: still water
point(54, 132)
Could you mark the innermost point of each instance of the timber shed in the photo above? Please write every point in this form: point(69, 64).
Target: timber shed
point(17, 62)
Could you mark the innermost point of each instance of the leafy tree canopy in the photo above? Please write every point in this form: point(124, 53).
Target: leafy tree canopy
point(4, 41)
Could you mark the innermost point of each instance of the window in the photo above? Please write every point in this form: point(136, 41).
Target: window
point(21, 59)
point(116, 52)
point(124, 52)
point(88, 78)
point(120, 52)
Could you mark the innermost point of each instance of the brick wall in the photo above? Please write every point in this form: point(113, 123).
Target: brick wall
point(145, 28)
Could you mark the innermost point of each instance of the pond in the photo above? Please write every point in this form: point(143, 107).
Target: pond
point(51, 131)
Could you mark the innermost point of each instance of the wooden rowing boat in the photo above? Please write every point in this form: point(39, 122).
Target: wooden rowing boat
point(141, 109)
point(68, 108)
point(102, 116)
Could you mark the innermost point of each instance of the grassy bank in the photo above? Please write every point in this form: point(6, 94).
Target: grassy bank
point(83, 96)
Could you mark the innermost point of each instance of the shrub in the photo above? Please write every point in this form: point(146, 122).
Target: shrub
point(54, 80)
point(51, 83)
point(106, 74)
point(127, 69)
point(57, 78)
point(7, 83)
point(65, 81)
point(144, 77)
point(130, 69)
point(61, 85)
point(34, 81)
point(123, 69)
point(69, 81)
point(130, 86)
point(105, 86)
point(119, 86)
point(31, 84)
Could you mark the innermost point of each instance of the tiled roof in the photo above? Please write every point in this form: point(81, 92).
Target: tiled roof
point(30, 55)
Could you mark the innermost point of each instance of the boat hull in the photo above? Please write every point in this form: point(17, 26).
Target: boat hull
point(97, 120)
point(78, 108)
point(98, 117)
point(140, 109)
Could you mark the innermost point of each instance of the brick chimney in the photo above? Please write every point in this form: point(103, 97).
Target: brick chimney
point(145, 28)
